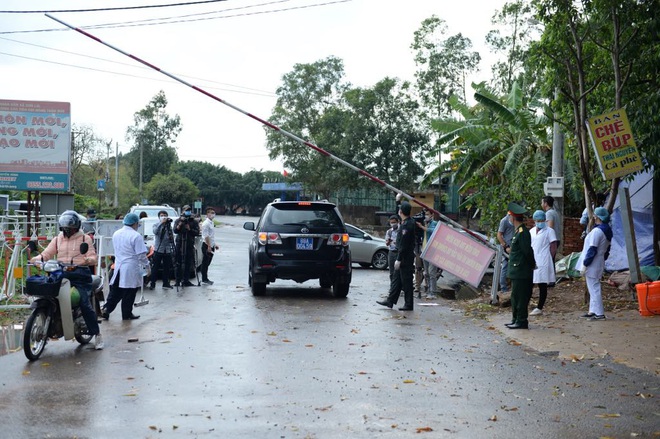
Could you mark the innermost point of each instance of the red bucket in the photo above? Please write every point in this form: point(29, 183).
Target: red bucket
point(648, 297)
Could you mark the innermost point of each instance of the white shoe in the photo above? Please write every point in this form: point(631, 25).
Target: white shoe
point(536, 312)
point(98, 342)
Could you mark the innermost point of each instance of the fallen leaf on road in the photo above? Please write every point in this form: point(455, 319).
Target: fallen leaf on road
point(272, 334)
point(493, 418)
point(153, 427)
point(286, 340)
point(355, 331)
point(309, 345)
point(433, 372)
point(362, 372)
point(514, 342)
point(45, 364)
point(408, 381)
point(26, 372)
point(323, 409)
point(424, 429)
point(576, 358)
point(609, 415)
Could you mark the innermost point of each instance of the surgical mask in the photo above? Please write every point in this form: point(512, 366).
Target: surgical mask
point(187, 213)
point(540, 225)
point(394, 225)
point(162, 217)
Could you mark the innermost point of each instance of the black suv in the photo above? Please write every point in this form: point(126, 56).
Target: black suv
point(300, 240)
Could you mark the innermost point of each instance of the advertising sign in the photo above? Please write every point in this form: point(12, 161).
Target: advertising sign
point(458, 253)
point(35, 144)
point(614, 145)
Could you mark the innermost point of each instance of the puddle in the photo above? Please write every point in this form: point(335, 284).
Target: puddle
point(11, 339)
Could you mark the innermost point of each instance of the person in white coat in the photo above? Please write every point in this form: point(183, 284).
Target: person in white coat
point(130, 265)
point(592, 261)
point(544, 244)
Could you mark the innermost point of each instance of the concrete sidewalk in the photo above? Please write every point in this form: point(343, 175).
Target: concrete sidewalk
point(625, 336)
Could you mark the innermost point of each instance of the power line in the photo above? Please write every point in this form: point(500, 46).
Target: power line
point(131, 65)
point(121, 8)
point(128, 74)
point(170, 20)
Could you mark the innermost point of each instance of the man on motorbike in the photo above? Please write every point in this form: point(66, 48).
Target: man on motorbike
point(66, 246)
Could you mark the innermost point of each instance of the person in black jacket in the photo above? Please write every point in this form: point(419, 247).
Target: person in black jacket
point(187, 228)
point(405, 260)
point(163, 250)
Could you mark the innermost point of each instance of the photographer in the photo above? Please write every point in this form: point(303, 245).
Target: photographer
point(187, 228)
point(163, 250)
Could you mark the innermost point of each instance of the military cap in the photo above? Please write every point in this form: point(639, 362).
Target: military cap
point(516, 209)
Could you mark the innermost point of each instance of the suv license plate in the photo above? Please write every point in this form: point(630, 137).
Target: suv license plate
point(304, 243)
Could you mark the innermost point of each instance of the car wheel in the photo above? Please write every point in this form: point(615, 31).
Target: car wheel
point(258, 288)
point(379, 261)
point(340, 288)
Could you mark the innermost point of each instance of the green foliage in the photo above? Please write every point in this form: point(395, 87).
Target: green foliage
point(172, 189)
point(443, 65)
point(500, 153)
point(154, 133)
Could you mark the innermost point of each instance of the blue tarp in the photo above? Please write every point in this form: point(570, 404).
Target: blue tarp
point(641, 203)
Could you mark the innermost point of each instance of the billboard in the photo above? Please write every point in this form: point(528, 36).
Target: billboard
point(35, 145)
point(614, 145)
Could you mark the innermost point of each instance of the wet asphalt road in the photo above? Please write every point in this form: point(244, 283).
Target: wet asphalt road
point(214, 361)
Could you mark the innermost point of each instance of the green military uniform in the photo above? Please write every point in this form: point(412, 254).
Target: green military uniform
point(521, 270)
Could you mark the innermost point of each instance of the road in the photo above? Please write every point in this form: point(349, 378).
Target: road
point(214, 361)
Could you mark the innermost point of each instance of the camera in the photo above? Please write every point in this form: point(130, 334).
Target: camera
point(169, 220)
point(419, 218)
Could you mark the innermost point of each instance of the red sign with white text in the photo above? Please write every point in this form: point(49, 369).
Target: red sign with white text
point(458, 253)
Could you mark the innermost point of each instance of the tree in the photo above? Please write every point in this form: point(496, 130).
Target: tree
point(500, 151)
point(153, 132)
point(443, 65)
point(171, 189)
point(512, 39)
point(591, 50)
point(87, 159)
point(218, 185)
point(307, 106)
point(386, 133)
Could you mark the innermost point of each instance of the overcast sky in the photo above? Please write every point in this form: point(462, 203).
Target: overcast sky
point(238, 50)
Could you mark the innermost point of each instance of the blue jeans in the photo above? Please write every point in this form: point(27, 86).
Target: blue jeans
point(81, 278)
point(503, 270)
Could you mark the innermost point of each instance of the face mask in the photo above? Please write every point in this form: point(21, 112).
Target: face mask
point(510, 220)
point(540, 225)
point(162, 217)
point(187, 213)
point(394, 225)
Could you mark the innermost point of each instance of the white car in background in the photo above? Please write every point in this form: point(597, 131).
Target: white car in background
point(366, 250)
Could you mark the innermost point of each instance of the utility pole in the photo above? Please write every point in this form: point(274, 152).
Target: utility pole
point(555, 184)
point(116, 204)
point(107, 171)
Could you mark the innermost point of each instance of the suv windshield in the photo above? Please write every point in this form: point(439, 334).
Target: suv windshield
point(152, 211)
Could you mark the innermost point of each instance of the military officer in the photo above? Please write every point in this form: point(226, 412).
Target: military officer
point(521, 267)
point(404, 265)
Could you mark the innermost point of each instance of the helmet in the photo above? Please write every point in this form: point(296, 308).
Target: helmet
point(69, 223)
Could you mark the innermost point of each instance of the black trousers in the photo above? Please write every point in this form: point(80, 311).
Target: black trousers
point(158, 260)
point(206, 261)
point(406, 273)
point(124, 295)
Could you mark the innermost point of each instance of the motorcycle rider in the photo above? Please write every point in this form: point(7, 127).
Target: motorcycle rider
point(66, 246)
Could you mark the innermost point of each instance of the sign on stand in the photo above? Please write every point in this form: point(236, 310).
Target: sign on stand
point(613, 142)
point(458, 254)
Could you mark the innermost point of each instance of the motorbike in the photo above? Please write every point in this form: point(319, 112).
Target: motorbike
point(56, 312)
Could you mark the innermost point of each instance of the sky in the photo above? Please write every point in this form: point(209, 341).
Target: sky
point(237, 50)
